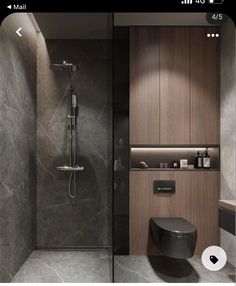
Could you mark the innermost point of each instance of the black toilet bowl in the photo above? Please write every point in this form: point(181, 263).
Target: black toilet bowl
point(174, 236)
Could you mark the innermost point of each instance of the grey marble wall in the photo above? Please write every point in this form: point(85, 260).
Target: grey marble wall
point(60, 221)
point(17, 143)
point(228, 127)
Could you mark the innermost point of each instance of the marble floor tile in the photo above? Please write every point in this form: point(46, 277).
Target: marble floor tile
point(143, 269)
point(64, 266)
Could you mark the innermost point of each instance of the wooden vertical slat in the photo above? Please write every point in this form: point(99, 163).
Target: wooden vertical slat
point(174, 85)
point(144, 85)
point(205, 86)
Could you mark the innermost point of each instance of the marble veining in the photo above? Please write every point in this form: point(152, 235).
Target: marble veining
point(62, 222)
point(227, 130)
point(17, 143)
point(143, 269)
point(64, 267)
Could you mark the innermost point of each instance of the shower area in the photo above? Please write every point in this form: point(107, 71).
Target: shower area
point(56, 142)
point(83, 101)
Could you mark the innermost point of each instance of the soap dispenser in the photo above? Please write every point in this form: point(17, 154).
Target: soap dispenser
point(198, 160)
point(206, 160)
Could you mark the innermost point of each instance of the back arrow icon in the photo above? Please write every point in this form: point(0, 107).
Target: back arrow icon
point(18, 32)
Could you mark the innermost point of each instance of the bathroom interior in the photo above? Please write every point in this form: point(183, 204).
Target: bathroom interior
point(117, 145)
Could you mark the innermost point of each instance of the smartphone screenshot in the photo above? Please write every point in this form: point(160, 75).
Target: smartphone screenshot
point(118, 143)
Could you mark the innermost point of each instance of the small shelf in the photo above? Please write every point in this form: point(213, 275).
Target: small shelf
point(155, 155)
point(228, 205)
point(176, 146)
point(173, 169)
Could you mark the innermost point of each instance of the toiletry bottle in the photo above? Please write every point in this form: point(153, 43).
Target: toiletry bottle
point(206, 160)
point(198, 160)
point(175, 164)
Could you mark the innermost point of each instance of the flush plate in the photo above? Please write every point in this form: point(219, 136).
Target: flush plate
point(164, 187)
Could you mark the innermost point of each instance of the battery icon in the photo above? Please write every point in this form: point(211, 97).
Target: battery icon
point(216, 1)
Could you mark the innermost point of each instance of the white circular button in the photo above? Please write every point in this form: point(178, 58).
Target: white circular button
point(214, 258)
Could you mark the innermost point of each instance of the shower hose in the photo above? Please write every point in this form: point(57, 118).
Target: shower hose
point(72, 179)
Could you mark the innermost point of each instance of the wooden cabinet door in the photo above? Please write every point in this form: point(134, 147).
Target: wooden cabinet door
point(195, 199)
point(205, 86)
point(205, 189)
point(174, 85)
point(144, 85)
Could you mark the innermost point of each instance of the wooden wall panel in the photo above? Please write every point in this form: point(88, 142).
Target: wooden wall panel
point(195, 200)
point(174, 85)
point(183, 64)
point(144, 85)
point(205, 188)
point(139, 211)
point(205, 87)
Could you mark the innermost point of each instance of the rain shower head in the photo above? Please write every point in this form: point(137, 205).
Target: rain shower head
point(64, 66)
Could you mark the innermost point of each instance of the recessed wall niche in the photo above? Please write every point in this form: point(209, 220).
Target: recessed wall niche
point(163, 157)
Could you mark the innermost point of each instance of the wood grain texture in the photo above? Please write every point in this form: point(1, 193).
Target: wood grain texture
point(144, 85)
point(195, 199)
point(185, 112)
point(229, 205)
point(205, 87)
point(174, 85)
point(205, 188)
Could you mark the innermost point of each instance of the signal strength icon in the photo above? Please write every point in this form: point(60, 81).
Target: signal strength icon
point(187, 2)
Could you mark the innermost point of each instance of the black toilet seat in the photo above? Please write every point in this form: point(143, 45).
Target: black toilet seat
point(174, 225)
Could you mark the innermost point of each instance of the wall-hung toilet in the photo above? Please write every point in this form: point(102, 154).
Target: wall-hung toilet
point(174, 236)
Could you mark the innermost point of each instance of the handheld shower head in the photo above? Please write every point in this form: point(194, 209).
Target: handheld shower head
point(74, 100)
